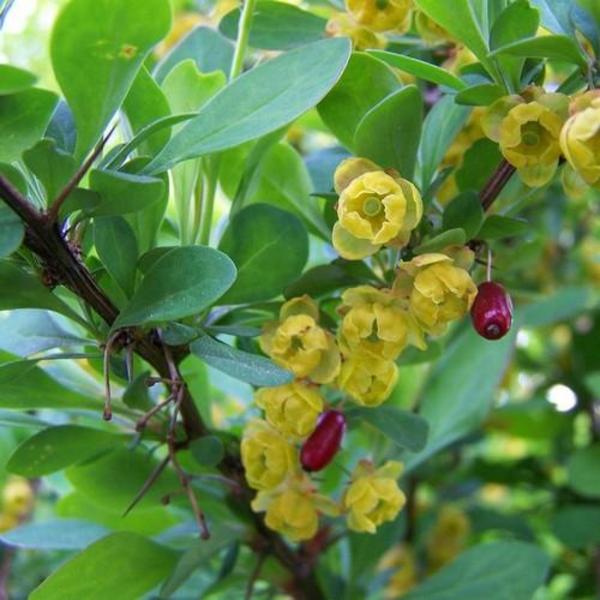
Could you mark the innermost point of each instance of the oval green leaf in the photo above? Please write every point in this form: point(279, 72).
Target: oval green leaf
point(183, 282)
point(262, 100)
point(269, 247)
point(97, 49)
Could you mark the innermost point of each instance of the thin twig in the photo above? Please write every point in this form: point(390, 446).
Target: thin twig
point(107, 415)
point(143, 421)
point(254, 575)
point(183, 478)
point(55, 206)
point(495, 184)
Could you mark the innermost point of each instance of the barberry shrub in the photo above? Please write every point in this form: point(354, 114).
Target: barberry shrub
point(239, 248)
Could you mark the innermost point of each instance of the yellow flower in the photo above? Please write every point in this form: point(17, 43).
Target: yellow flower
point(17, 497)
point(376, 322)
point(448, 537)
point(294, 511)
point(373, 496)
point(381, 15)
point(361, 37)
point(293, 409)
point(580, 142)
point(528, 129)
point(430, 31)
point(401, 561)
point(440, 289)
point(296, 342)
point(267, 457)
point(8, 521)
point(374, 209)
point(367, 379)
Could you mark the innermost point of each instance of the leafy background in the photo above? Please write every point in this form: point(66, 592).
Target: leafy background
point(526, 473)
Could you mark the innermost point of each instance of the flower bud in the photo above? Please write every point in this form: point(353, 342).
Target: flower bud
point(324, 442)
point(492, 311)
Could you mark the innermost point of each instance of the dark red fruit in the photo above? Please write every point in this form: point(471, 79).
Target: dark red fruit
point(320, 448)
point(492, 310)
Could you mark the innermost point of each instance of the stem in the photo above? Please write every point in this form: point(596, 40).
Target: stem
point(495, 184)
point(237, 64)
point(208, 203)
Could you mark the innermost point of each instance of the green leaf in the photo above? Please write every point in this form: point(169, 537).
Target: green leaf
point(145, 521)
point(61, 128)
point(365, 82)
point(196, 557)
point(183, 282)
point(405, 429)
point(563, 305)
point(389, 133)
point(450, 237)
point(210, 50)
point(25, 386)
point(112, 481)
point(519, 20)
point(23, 120)
point(208, 450)
point(556, 15)
point(325, 279)
point(97, 49)
point(13, 80)
point(251, 368)
point(21, 290)
point(122, 566)
point(583, 471)
point(261, 101)
point(144, 105)
point(479, 163)
point(414, 356)
point(269, 247)
point(459, 391)
point(281, 179)
point(464, 212)
point(553, 47)
point(117, 248)
point(28, 331)
point(136, 395)
point(497, 227)
point(58, 534)
point(482, 94)
point(276, 26)
point(577, 526)
point(53, 167)
point(494, 571)
point(124, 193)
point(458, 18)
point(12, 231)
point(58, 447)
point(441, 126)
point(419, 68)
point(187, 90)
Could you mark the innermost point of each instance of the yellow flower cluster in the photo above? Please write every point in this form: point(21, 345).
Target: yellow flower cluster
point(365, 21)
point(580, 138)
point(448, 537)
point(528, 129)
point(376, 209)
point(17, 502)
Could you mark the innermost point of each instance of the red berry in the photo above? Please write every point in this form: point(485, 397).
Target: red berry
point(491, 312)
point(323, 443)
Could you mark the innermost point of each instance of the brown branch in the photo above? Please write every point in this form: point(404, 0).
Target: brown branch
point(495, 184)
point(44, 239)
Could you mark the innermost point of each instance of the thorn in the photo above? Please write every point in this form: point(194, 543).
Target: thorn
point(147, 485)
point(56, 204)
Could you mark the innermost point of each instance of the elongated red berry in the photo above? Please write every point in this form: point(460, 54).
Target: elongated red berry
point(492, 310)
point(323, 443)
